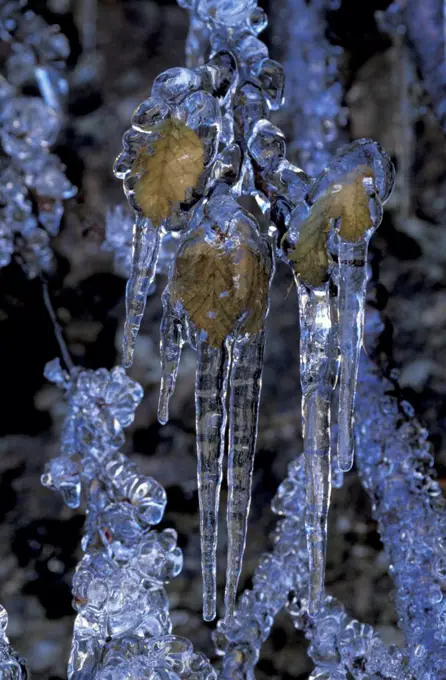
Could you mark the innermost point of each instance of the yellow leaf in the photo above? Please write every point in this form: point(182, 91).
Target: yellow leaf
point(346, 200)
point(351, 205)
point(218, 283)
point(169, 170)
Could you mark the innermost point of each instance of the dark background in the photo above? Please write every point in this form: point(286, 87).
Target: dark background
point(39, 537)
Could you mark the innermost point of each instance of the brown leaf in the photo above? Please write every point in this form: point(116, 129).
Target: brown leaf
point(309, 257)
point(170, 170)
point(346, 200)
point(351, 205)
point(218, 283)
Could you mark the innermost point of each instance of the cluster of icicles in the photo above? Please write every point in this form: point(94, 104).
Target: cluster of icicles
point(199, 153)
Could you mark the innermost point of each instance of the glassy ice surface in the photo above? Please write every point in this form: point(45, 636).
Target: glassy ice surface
point(224, 322)
point(171, 342)
point(226, 12)
point(360, 153)
point(11, 666)
point(340, 211)
point(352, 292)
point(318, 373)
point(211, 388)
point(146, 243)
point(244, 401)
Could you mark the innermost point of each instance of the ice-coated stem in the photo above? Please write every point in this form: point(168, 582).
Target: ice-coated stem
point(318, 373)
point(171, 343)
point(56, 326)
point(246, 383)
point(47, 89)
point(211, 388)
point(352, 291)
point(146, 244)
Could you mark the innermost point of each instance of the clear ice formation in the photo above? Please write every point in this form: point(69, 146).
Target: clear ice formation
point(326, 245)
point(328, 224)
point(122, 629)
point(388, 439)
point(224, 323)
point(217, 112)
point(313, 81)
point(319, 369)
point(340, 646)
point(12, 667)
point(396, 466)
point(118, 239)
point(33, 184)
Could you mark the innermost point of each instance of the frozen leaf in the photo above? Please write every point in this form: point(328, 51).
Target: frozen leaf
point(349, 201)
point(169, 169)
point(346, 200)
point(237, 283)
point(309, 258)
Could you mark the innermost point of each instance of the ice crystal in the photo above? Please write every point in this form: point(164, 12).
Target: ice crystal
point(11, 666)
point(425, 27)
point(388, 437)
point(33, 181)
point(122, 626)
point(200, 149)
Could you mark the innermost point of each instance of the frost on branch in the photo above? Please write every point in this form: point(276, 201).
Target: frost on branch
point(409, 507)
point(338, 644)
point(122, 628)
point(33, 184)
point(313, 81)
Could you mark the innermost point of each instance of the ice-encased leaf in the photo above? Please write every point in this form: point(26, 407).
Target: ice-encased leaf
point(347, 195)
point(309, 257)
point(361, 153)
point(168, 170)
point(237, 282)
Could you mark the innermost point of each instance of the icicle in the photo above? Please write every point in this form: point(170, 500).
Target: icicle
point(211, 387)
point(318, 372)
point(352, 291)
point(170, 350)
point(222, 319)
point(246, 382)
point(146, 242)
